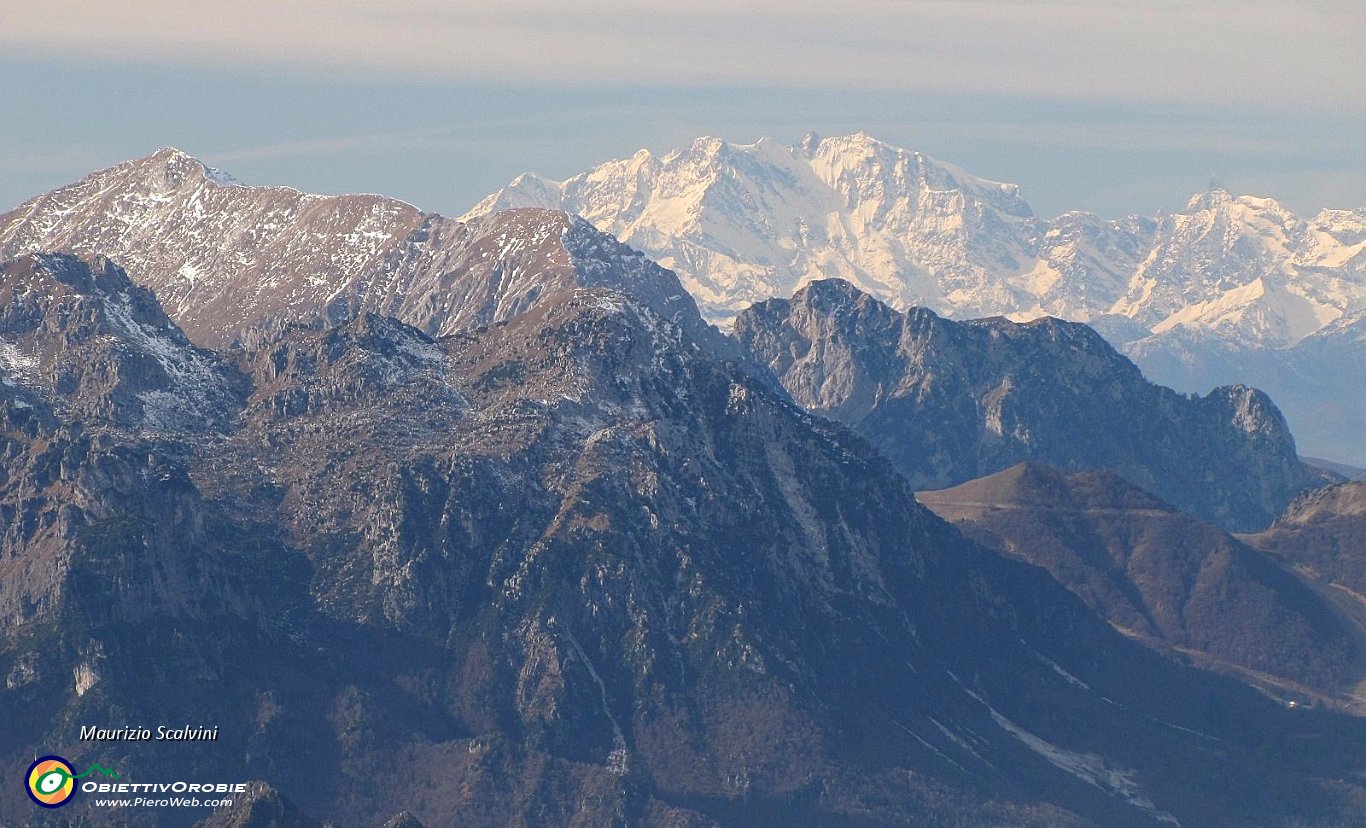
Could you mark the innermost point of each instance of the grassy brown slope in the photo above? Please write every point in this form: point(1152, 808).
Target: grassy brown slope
point(1161, 575)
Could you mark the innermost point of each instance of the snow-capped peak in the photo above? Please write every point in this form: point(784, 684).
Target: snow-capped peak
point(742, 222)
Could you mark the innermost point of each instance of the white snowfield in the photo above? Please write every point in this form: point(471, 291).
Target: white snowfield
point(745, 222)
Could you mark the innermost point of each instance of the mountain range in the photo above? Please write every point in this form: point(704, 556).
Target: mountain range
point(223, 257)
point(572, 566)
point(480, 522)
point(1230, 289)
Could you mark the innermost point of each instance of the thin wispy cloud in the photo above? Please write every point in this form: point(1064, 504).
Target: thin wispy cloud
point(1297, 54)
point(1112, 105)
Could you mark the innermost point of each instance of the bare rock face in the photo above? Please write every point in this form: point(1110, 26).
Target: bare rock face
point(949, 401)
point(1159, 575)
point(99, 347)
point(100, 390)
point(222, 257)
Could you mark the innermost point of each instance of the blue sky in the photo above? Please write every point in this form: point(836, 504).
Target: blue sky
point(1103, 105)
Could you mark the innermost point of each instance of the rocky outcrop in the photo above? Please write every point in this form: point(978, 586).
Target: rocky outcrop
point(949, 401)
point(99, 347)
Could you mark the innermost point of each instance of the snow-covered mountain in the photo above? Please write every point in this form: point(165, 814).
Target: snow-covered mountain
point(222, 257)
point(1240, 290)
point(1248, 270)
point(1195, 296)
point(743, 223)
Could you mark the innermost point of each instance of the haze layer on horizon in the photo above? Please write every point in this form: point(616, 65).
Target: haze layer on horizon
point(1114, 107)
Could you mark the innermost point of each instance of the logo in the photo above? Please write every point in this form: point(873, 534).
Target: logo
point(52, 780)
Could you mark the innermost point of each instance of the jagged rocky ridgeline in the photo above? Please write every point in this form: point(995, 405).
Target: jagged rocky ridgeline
point(1233, 290)
point(950, 401)
point(570, 566)
point(223, 257)
point(745, 222)
point(1230, 289)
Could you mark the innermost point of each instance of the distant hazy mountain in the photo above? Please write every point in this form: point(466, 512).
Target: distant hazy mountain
point(222, 257)
point(948, 401)
point(1198, 297)
point(1159, 575)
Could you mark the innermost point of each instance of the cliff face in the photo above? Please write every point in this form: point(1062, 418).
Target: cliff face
point(949, 401)
point(100, 389)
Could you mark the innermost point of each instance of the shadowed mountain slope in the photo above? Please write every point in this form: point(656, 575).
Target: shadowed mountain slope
point(1156, 573)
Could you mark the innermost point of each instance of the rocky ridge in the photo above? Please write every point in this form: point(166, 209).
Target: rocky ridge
point(949, 401)
point(223, 257)
point(1209, 295)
